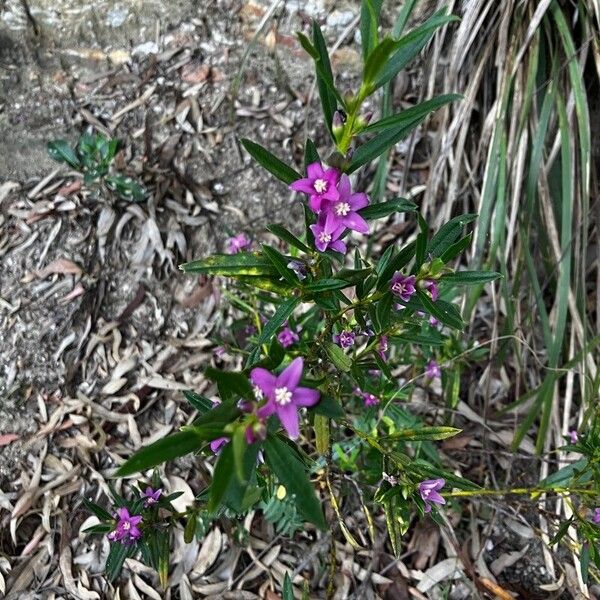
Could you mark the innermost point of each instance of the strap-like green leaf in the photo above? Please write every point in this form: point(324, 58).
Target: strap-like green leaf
point(232, 265)
point(448, 233)
point(284, 463)
point(471, 277)
point(270, 162)
point(381, 210)
point(280, 262)
point(284, 310)
point(60, 151)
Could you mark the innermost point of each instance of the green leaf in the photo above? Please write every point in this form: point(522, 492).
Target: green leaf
point(97, 510)
point(231, 385)
point(125, 187)
point(457, 248)
point(222, 476)
point(391, 510)
point(270, 162)
point(284, 310)
point(283, 461)
point(168, 448)
point(116, 557)
point(391, 130)
point(369, 22)
point(338, 357)
point(328, 407)
point(441, 310)
point(239, 445)
point(376, 60)
point(288, 590)
point(448, 233)
point(397, 263)
point(190, 528)
point(280, 262)
point(328, 93)
point(423, 434)
point(410, 115)
point(200, 403)
point(353, 276)
point(307, 45)
point(408, 46)
point(325, 285)
point(381, 210)
point(311, 154)
point(60, 151)
point(232, 265)
point(470, 277)
point(98, 529)
point(271, 284)
point(287, 236)
point(383, 312)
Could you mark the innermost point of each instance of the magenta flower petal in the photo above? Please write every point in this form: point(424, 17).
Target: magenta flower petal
point(303, 185)
point(355, 222)
point(264, 380)
point(288, 415)
point(314, 171)
point(338, 246)
point(306, 396)
point(358, 201)
point(290, 376)
point(267, 410)
point(217, 444)
point(123, 513)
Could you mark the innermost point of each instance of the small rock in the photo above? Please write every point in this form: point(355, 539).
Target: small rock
point(117, 16)
point(145, 49)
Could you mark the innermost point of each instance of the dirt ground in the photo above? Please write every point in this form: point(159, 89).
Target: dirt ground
point(99, 332)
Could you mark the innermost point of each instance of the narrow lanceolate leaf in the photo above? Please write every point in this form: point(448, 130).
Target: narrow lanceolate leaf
point(60, 151)
point(284, 310)
point(222, 476)
point(338, 357)
point(231, 385)
point(288, 590)
point(414, 113)
point(448, 234)
point(200, 403)
point(326, 284)
point(457, 248)
point(443, 311)
point(408, 46)
point(384, 139)
point(280, 262)
point(287, 236)
point(471, 277)
point(100, 512)
point(384, 209)
point(396, 263)
point(328, 93)
point(423, 434)
point(270, 162)
point(369, 23)
point(116, 558)
point(311, 154)
point(170, 447)
point(232, 265)
point(283, 461)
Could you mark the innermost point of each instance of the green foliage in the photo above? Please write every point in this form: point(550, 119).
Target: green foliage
point(93, 156)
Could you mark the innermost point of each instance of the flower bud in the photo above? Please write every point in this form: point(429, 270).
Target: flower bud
point(337, 124)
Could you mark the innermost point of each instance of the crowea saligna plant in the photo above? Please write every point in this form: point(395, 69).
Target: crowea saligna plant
point(327, 328)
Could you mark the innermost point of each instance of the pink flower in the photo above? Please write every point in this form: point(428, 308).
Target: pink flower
point(432, 287)
point(327, 235)
point(283, 394)
point(238, 243)
point(344, 339)
point(299, 268)
point(403, 286)
point(127, 527)
point(320, 184)
point(342, 212)
point(370, 399)
point(287, 337)
point(573, 436)
point(217, 444)
point(433, 322)
point(433, 370)
point(429, 492)
point(383, 347)
point(151, 496)
point(596, 516)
